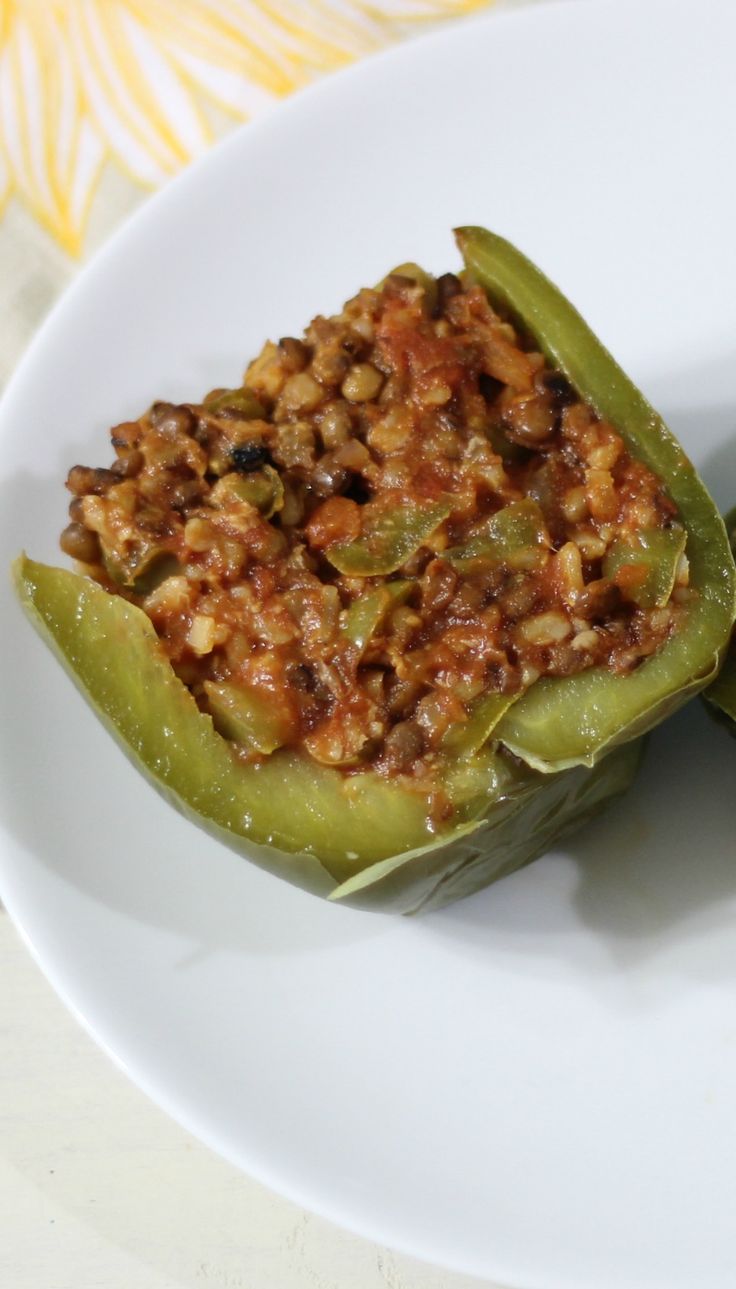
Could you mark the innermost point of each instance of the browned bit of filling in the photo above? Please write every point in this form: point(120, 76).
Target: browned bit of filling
point(403, 512)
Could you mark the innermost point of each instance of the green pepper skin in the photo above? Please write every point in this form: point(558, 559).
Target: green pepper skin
point(516, 830)
point(559, 723)
point(357, 839)
point(360, 839)
point(722, 693)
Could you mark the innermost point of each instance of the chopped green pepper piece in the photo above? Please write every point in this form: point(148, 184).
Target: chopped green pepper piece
point(143, 571)
point(367, 613)
point(241, 403)
point(262, 488)
point(644, 565)
point(467, 737)
point(566, 721)
point(388, 538)
point(515, 538)
point(247, 716)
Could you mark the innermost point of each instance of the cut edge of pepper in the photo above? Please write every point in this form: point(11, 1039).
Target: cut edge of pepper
point(515, 285)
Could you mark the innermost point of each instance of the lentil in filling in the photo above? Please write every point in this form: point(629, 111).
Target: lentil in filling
point(401, 514)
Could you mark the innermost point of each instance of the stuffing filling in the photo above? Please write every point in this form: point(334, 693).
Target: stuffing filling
point(393, 528)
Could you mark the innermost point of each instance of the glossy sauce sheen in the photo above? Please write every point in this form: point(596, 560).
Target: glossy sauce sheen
point(396, 517)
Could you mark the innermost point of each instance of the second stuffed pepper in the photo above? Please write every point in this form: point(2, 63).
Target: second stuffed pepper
point(722, 693)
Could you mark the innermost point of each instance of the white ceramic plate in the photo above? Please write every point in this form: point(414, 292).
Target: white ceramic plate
point(537, 1085)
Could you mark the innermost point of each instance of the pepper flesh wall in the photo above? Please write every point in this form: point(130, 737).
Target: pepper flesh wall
point(524, 759)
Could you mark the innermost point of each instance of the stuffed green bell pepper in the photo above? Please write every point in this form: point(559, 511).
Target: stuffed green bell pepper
point(390, 617)
point(722, 693)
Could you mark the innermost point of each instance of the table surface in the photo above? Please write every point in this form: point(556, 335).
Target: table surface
point(99, 1189)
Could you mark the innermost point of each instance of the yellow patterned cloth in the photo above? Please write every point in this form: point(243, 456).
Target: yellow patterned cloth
point(102, 101)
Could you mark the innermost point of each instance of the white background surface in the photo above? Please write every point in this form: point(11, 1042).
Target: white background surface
point(100, 1190)
point(539, 1081)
